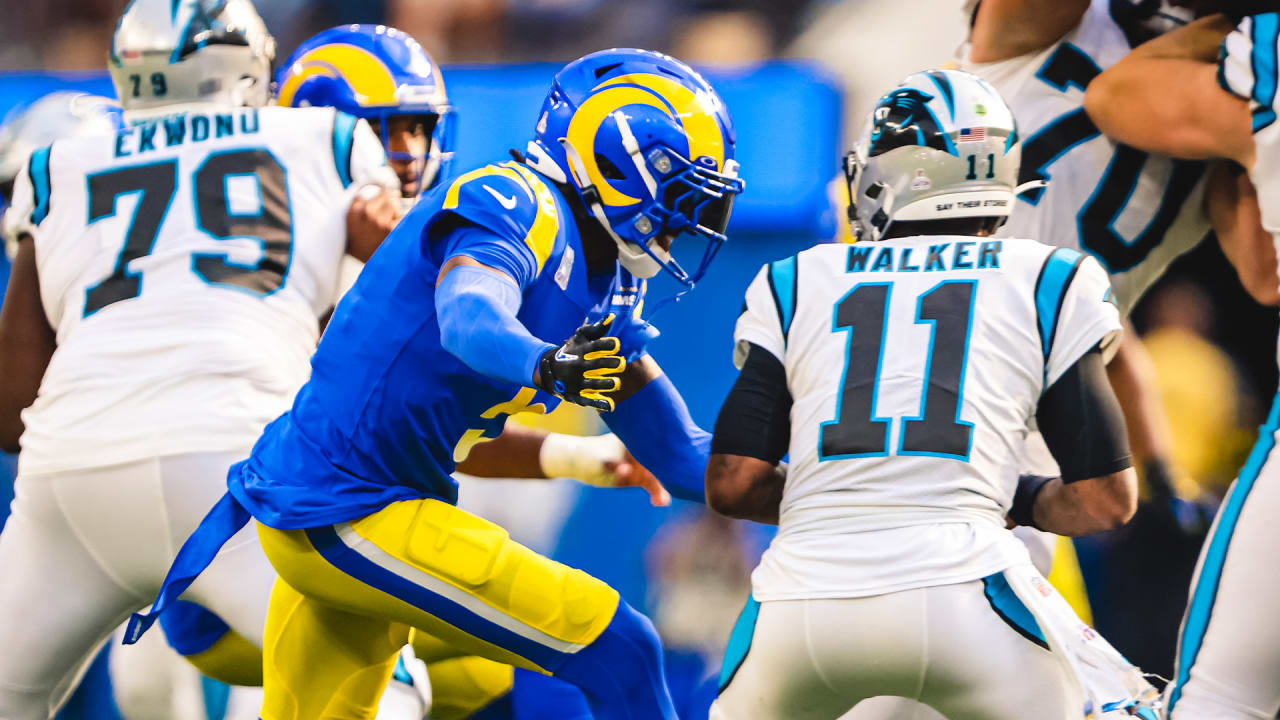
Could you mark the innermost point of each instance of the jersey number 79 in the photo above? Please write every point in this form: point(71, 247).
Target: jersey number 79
point(157, 183)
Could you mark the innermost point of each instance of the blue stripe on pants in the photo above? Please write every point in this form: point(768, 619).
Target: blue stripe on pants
point(331, 548)
point(739, 642)
point(1200, 611)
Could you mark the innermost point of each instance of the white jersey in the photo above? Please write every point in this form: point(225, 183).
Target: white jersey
point(1135, 213)
point(183, 263)
point(1238, 74)
point(897, 482)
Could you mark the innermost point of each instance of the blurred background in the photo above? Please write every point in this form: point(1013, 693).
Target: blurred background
point(798, 76)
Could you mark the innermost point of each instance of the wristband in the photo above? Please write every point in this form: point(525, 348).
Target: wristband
point(581, 458)
point(1024, 499)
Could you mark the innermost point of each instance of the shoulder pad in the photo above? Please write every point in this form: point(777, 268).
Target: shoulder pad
point(510, 200)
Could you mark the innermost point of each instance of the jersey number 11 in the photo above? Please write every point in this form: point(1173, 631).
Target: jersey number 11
point(856, 432)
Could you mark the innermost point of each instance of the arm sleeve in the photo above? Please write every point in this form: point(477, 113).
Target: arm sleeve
point(760, 323)
point(755, 420)
point(1081, 421)
point(476, 309)
point(1076, 310)
point(656, 427)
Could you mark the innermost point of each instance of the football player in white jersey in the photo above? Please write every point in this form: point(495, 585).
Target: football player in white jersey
point(901, 375)
point(1209, 91)
point(1133, 212)
point(164, 302)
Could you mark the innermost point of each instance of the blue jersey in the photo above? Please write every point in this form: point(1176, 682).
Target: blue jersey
point(388, 412)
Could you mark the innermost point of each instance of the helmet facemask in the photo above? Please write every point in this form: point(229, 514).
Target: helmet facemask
point(684, 196)
point(434, 131)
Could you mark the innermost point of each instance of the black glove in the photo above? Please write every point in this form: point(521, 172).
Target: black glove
point(582, 369)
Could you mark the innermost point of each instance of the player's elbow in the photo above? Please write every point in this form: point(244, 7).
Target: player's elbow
point(725, 493)
point(728, 488)
point(1100, 100)
point(743, 487)
point(1111, 499)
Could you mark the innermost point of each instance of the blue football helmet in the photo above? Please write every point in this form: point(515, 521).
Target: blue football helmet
point(374, 72)
point(648, 146)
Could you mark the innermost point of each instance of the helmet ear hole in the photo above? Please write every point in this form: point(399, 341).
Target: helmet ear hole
point(606, 69)
point(608, 169)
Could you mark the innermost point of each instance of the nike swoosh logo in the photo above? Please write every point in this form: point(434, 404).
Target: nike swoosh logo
point(507, 202)
point(562, 356)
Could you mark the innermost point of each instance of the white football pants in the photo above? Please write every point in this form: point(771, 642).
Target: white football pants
point(1228, 664)
point(946, 646)
point(84, 549)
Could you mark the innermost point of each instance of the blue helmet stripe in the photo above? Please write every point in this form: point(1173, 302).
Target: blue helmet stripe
point(944, 86)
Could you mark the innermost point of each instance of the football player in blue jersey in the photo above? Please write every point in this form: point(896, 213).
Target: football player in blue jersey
point(444, 335)
point(383, 75)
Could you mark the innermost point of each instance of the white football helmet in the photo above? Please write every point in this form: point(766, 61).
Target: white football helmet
point(941, 145)
point(169, 52)
point(57, 115)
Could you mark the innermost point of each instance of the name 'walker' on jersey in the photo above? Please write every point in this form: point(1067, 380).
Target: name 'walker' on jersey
point(904, 464)
point(1133, 212)
point(214, 219)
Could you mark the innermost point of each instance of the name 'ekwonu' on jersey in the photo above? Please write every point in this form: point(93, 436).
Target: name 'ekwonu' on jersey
point(183, 263)
point(915, 366)
point(1132, 211)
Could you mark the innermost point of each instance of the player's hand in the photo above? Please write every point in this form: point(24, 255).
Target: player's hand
point(629, 473)
point(373, 213)
point(584, 369)
point(600, 461)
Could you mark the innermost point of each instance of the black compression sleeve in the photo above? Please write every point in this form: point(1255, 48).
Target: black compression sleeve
point(1081, 422)
point(755, 420)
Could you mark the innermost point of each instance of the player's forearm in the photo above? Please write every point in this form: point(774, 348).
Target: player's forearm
point(656, 427)
point(513, 454)
point(745, 488)
point(476, 310)
point(1231, 202)
point(1086, 506)
point(1133, 378)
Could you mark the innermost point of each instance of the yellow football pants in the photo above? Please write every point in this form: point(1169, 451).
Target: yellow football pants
point(461, 685)
point(348, 595)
